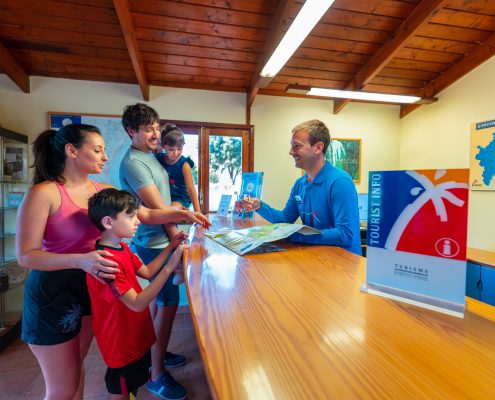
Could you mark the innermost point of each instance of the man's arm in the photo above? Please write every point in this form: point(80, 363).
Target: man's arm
point(342, 199)
point(289, 214)
point(150, 196)
point(139, 178)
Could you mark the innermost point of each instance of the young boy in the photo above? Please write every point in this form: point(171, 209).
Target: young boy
point(121, 319)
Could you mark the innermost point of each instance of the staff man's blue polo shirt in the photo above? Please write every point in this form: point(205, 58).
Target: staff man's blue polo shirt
point(329, 203)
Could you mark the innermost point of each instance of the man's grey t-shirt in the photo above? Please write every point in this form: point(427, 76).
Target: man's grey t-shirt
point(138, 170)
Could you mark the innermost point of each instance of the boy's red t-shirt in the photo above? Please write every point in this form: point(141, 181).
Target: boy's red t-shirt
point(123, 335)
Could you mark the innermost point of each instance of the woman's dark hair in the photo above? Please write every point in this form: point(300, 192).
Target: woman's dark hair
point(110, 202)
point(49, 150)
point(138, 114)
point(172, 136)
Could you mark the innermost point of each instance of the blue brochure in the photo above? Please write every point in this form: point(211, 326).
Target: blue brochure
point(250, 186)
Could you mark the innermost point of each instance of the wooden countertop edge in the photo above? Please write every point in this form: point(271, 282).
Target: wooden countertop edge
point(482, 257)
point(213, 390)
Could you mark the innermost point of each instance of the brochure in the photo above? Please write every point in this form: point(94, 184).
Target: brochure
point(250, 187)
point(245, 240)
point(251, 184)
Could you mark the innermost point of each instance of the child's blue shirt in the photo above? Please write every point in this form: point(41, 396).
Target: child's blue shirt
point(178, 190)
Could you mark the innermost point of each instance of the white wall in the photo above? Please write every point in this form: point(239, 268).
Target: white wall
point(438, 136)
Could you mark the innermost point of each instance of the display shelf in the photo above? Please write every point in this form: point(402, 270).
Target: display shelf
point(13, 186)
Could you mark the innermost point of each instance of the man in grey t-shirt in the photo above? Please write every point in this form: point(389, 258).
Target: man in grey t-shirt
point(141, 174)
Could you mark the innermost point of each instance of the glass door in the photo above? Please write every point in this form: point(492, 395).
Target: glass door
point(225, 155)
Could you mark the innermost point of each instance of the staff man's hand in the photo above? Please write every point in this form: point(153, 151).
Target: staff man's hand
point(250, 203)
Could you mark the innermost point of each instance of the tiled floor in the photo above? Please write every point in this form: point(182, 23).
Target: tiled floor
point(20, 376)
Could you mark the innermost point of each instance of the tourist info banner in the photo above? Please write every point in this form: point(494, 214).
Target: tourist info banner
point(417, 234)
point(482, 159)
point(245, 240)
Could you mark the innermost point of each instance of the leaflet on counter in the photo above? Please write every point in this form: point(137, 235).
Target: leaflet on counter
point(242, 241)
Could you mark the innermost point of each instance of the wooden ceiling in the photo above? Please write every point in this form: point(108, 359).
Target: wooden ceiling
point(416, 47)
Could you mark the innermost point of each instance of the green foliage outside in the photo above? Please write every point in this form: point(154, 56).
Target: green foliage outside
point(225, 155)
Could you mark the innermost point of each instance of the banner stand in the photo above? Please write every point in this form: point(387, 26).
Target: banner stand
point(417, 237)
point(429, 303)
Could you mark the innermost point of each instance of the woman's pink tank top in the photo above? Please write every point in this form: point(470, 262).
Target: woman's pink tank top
point(70, 230)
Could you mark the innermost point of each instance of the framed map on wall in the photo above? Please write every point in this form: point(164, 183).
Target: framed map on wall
point(117, 141)
point(346, 154)
point(482, 156)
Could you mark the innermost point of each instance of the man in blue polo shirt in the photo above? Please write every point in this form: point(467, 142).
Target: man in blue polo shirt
point(325, 197)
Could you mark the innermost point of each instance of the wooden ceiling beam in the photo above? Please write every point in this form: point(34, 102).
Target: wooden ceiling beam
point(476, 57)
point(423, 12)
point(339, 104)
point(406, 109)
point(471, 60)
point(125, 19)
point(286, 11)
point(14, 70)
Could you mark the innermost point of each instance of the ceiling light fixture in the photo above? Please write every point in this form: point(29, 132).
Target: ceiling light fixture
point(311, 12)
point(367, 96)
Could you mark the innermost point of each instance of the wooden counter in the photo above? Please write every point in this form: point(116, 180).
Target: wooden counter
point(294, 325)
point(481, 257)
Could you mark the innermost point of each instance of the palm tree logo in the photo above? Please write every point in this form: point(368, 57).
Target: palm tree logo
point(438, 194)
point(71, 320)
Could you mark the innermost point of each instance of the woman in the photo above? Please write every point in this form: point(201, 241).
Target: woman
point(56, 239)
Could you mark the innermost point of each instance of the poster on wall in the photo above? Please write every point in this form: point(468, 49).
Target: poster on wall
point(417, 237)
point(117, 141)
point(482, 156)
point(346, 154)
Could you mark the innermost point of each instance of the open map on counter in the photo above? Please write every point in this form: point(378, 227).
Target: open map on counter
point(242, 241)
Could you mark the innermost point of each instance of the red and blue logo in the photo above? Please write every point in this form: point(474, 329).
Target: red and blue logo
point(422, 212)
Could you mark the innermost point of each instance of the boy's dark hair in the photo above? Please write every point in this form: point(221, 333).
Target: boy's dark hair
point(172, 136)
point(137, 115)
point(108, 203)
point(49, 150)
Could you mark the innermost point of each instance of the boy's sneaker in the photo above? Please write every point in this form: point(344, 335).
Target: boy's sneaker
point(167, 387)
point(174, 360)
